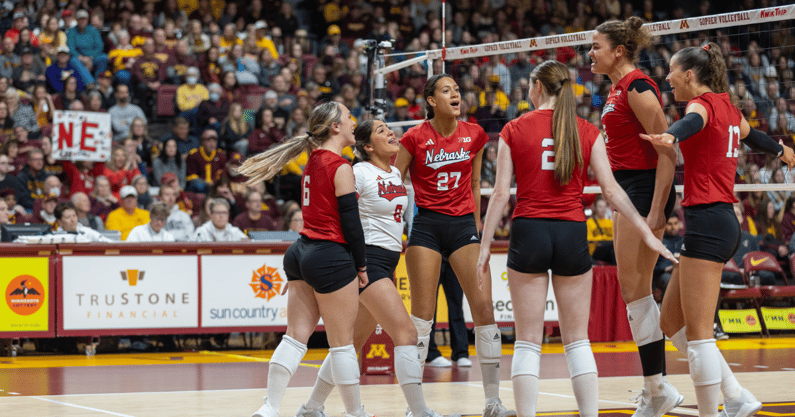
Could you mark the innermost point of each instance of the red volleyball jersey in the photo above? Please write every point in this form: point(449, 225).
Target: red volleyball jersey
point(711, 154)
point(538, 193)
point(441, 167)
point(318, 198)
point(625, 148)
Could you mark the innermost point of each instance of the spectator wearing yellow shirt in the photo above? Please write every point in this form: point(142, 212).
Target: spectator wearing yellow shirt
point(191, 94)
point(229, 38)
point(263, 41)
point(501, 99)
point(126, 217)
point(600, 233)
point(122, 58)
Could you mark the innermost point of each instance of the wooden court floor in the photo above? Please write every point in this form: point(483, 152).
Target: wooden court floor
point(232, 383)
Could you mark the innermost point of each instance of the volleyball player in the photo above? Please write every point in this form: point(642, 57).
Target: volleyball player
point(709, 137)
point(443, 156)
point(550, 150)
point(645, 172)
point(382, 201)
point(322, 266)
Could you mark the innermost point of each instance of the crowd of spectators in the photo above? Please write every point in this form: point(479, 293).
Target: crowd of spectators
point(119, 57)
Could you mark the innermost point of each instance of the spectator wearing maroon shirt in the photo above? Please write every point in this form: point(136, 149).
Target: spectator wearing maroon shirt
point(265, 133)
point(213, 110)
point(206, 164)
point(254, 218)
point(149, 72)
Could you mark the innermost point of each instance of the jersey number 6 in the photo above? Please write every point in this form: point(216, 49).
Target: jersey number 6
point(306, 191)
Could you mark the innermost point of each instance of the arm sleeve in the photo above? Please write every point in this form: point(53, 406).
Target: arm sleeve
point(686, 127)
point(762, 142)
point(352, 228)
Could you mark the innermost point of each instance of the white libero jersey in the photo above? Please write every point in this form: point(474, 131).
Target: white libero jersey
point(382, 202)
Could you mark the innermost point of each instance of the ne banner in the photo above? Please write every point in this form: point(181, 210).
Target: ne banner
point(81, 136)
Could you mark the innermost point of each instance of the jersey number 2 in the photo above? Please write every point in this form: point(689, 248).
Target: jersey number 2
point(548, 157)
point(305, 191)
point(733, 131)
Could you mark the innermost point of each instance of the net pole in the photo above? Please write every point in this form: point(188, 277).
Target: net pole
point(444, 25)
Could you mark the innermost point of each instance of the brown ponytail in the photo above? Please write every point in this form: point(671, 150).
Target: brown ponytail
point(266, 165)
point(630, 34)
point(707, 63)
point(554, 76)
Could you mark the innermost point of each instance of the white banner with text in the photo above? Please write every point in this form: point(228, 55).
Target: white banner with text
point(81, 135)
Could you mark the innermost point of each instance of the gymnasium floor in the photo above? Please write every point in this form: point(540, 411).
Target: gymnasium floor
point(232, 383)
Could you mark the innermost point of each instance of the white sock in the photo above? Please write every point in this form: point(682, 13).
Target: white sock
point(278, 378)
point(408, 371)
point(345, 369)
point(283, 364)
point(729, 386)
point(488, 343)
point(323, 386)
point(705, 370)
point(584, 376)
point(525, 368)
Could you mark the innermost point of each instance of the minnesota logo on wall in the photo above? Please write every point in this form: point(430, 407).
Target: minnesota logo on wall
point(266, 282)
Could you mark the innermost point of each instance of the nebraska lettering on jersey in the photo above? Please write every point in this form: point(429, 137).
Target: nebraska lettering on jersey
point(444, 158)
point(389, 191)
point(441, 167)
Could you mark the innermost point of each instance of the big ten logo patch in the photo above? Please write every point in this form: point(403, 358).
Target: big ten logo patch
point(25, 295)
point(378, 350)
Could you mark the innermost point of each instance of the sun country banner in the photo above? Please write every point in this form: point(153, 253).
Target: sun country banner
point(81, 136)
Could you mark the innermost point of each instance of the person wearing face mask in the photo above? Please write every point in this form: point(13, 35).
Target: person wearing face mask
point(213, 110)
point(191, 94)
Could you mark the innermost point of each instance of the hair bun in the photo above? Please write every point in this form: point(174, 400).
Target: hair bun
point(634, 22)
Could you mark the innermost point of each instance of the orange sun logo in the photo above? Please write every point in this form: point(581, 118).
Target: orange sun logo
point(266, 282)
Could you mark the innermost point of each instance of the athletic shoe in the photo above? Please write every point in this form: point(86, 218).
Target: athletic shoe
point(304, 412)
point(656, 405)
point(463, 362)
point(266, 411)
point(743, 406)
point(430, 413)
point(496, 409)
point(362, 413)
point(440, 362)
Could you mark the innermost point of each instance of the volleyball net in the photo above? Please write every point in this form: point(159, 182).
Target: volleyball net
point(759, 46)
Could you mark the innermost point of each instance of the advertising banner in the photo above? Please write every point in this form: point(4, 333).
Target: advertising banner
point(500, 293)
point(81, 136)
point(739, 321)
point(25, 283)
point(130, 292)
point(779, 318)
point(243, 291)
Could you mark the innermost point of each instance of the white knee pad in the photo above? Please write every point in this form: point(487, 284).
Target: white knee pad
point(423, 336)
point(325, 371)
point(704, 360)
point(644, 320)
point(408, 368)
point(344, 366)
point(679, 340)
point(579, 357)
point(289, 354)
point(488, 343)
point(526, 359)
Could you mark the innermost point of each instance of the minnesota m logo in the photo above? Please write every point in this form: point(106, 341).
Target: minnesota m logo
point(377, 350)
point(683, 24)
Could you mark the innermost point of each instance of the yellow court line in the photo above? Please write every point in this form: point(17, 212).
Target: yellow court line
point(251, 358)
point(772, 414)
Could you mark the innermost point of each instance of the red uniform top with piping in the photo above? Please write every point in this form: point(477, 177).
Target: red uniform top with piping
point(538, 193)
point(441, 167)
point(711, 154)
point(625, 148)
point(318, 197)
